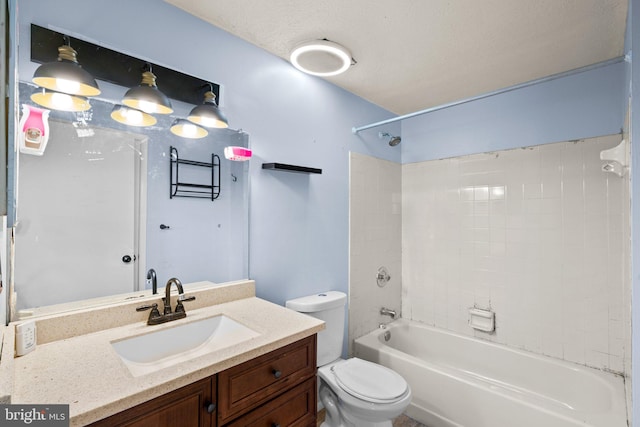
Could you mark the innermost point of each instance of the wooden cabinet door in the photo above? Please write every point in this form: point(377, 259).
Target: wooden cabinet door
point(188, 406)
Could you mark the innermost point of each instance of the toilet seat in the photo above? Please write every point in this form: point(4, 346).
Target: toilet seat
point(369, 381)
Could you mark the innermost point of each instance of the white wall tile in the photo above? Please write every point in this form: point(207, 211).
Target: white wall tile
point(375, 209)
point(540, 235)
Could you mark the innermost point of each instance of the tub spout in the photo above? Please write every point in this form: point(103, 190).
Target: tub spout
point(388, 312)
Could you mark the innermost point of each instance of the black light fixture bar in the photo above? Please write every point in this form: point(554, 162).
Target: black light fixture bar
point(117, 68)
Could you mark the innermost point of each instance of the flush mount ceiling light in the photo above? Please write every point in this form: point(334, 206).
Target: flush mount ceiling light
point(65, 75)
point(186, 129)
point(321, 58)
point(59, 101)
point(146, 97)
point(208, 114)
point(131, 116)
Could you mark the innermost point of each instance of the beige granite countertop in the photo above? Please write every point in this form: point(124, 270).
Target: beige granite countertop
point(85, 371)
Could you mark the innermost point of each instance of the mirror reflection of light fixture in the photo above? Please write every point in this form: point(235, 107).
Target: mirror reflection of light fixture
point(146, 96)
point(59, 101)
point(208, 114)
point(131, 116)
point(321, 58)
point(186, 129)
point(65, 75)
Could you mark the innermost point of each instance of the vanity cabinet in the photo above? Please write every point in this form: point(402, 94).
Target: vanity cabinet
point(277, 389)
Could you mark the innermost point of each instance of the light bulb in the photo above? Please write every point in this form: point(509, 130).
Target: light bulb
point(67, 86)
point(61, 101)
point(189, 130)
point(148, 107)
point(133, 116)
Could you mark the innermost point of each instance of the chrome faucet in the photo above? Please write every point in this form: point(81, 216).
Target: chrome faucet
point(155, 317)
point(388, 312)
point(151, 275)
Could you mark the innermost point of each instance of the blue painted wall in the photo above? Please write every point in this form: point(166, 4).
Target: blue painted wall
point(299, 223)
point(592, 103)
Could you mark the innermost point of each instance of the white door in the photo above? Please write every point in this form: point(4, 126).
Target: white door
point(77, 221)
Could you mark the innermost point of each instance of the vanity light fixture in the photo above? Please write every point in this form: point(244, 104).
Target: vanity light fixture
point(321, 58)
point(146, 96)
point(186, 129)
point(65, 75)
point(208, 114)
point(131, 116)
point(59, 101)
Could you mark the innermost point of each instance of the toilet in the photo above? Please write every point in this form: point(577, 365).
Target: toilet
point(354, 392)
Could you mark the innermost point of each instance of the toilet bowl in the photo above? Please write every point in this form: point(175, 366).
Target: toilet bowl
point(354, 392)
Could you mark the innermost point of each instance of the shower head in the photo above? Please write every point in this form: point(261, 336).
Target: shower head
point(393, 140)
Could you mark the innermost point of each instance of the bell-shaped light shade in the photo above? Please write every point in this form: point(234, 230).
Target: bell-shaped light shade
point(146, 97)
point(186, 129)
point(208, 114)
point(60, 101)
point(66, 75)
point(131, 116)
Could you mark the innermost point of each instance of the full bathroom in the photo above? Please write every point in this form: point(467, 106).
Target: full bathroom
point(472, 251)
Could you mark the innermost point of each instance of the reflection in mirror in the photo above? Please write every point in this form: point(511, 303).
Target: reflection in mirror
point(94, 213)
point(77, 234)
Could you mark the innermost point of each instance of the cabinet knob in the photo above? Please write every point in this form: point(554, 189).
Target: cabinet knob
point(277, 374)
point(275, 425)
point(211, 407)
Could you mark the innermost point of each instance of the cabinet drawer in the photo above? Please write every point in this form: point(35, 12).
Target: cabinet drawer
point(295, 408)
point(254, 382)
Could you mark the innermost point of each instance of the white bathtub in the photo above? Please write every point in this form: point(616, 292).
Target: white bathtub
point(466, 382)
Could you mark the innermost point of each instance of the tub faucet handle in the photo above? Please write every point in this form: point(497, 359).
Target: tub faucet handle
point(383, 277)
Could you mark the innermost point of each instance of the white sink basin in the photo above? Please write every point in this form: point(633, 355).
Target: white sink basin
point(148, 353)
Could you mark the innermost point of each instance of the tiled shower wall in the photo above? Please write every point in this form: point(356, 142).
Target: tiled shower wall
point(375, 240)
point(540, 236)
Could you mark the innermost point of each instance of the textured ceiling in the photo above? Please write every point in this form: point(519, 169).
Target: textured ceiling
point(415, 54)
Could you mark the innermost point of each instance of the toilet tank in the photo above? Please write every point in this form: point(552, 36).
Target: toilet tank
point(329, 307)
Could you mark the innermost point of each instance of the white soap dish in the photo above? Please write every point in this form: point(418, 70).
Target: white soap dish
point(482, 320)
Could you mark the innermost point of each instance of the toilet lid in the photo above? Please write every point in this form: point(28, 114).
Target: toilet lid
point(369, 381)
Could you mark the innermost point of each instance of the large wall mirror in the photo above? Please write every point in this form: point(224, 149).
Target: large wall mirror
point(94, 214)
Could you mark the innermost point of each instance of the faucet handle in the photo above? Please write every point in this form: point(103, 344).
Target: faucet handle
point(154, 315)
point(181, 298)
point(147, 307)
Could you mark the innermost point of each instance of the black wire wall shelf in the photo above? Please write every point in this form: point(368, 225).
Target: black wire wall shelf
point(177, 188)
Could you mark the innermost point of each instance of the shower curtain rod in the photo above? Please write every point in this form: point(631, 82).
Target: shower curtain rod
point(612, 61)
